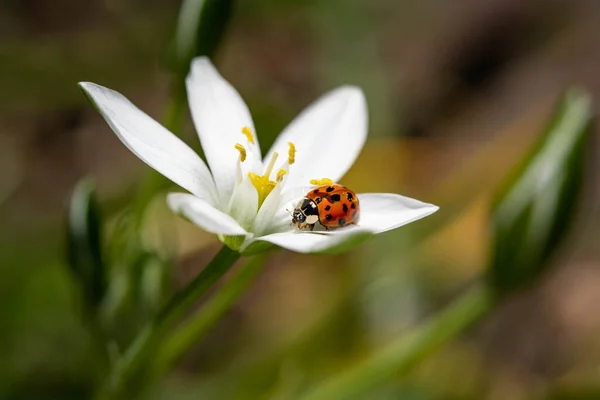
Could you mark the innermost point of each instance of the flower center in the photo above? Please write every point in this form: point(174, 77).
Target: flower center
point(263, 183)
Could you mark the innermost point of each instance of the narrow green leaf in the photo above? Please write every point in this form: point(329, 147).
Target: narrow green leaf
point(534, 208)
point(84, 243)
point(200, 28)
point(402, 355)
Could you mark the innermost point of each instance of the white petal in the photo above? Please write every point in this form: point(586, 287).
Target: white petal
point(219, 114)
point(381, 212)
point(328, 136)
point(264, 218)
point(311, 242)
point(204, 215)
point(273, 216)
point(244, 204)
point(151, 142)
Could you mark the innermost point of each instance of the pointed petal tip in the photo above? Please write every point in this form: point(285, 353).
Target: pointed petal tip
point(351, 92)
point(201, 65)
point(202, 59)
point(383, 212)
point(92, 90)
point(88, 86)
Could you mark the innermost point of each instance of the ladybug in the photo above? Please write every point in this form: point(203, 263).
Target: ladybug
point(333, 206)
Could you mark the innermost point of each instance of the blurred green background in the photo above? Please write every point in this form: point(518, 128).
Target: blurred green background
point(457, 93)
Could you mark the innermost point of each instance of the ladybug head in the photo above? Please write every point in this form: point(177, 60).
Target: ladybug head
point(305, 213)
point(298, 217)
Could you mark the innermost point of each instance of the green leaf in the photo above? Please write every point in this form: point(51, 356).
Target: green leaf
point(537, 203)
point(84, 244)
point(402, 355)
point(200, 28)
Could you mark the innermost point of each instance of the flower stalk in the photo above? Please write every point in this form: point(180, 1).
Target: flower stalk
point(198, 325)
point(137, 353)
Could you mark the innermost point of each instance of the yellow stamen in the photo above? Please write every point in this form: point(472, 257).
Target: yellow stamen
point(271, 165)
point(320, 182)
point(246, 131)
point(280, 174)
point(242, 151)
point(263, 184)
point(291, 153)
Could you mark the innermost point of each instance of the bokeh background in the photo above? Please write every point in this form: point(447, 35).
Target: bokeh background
point(457, 93)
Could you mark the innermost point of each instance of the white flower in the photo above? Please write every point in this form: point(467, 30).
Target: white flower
point(243, 198)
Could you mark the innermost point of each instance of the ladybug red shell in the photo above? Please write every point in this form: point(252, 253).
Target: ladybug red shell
point(333, 206)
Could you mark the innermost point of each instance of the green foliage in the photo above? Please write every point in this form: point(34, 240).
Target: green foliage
point(402, 355)
point(199, 31)
point(133, 361)
point(84, 244)
point(536, 205)
point(197, 326)
point(44, 344)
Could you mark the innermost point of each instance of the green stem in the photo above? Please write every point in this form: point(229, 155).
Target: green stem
point(402, 355)
point(186, 336)
point(137, 353)
point(175, 110)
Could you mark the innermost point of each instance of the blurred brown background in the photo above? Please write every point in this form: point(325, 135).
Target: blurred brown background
point(457, 91)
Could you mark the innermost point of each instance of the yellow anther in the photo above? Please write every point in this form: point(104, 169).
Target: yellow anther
point(320, 182)
point(246, 131)
point(280, 174)
point(291, 153)
point(242, 151)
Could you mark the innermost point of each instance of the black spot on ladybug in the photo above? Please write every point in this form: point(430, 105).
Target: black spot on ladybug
point(327, 208)
point(318, 200)
point(353, 206)
point(350, 197)
point(330, 189)
point(328, 217)
point(354, 214)
point(345, 208)
point(316, 191)
point(335, 197)
point(342, 221)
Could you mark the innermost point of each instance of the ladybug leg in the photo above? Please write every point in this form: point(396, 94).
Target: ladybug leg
point(326, 228)
point(311, 227)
